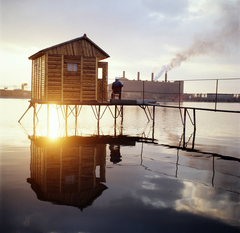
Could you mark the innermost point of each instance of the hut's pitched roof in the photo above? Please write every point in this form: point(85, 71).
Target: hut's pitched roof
point(81, 46)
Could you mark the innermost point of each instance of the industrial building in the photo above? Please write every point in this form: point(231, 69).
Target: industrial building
point(154, 90)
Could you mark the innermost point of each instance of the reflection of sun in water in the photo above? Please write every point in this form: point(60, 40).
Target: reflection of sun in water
point(53, 123)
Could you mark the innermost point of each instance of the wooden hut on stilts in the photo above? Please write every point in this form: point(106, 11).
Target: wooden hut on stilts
point(70, 73)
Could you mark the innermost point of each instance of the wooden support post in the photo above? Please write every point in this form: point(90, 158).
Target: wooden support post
point(216, 94)
point(48, 120)
point(76, 111)
point(184, 126)
point(121, 114)
point(194, 125)
point(30, 105)
point(153, 122)
point(98, 118)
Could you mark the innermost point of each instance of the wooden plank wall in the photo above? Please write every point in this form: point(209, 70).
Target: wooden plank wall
point(72, 80)
point(64, 85)
point(38, 78)
point(69, 169)
point(37, 165)
point(54, 83)
point(89, 78)
point(87, 167)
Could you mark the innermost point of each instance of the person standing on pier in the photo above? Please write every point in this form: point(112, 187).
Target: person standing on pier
point(116, 88)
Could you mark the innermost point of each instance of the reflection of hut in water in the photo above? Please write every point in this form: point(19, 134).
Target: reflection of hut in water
point(67, 172)
point(71, 170)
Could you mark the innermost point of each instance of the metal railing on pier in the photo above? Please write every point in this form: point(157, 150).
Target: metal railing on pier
point(177, 94)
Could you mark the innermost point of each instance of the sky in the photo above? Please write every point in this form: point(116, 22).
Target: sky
point(197, 39)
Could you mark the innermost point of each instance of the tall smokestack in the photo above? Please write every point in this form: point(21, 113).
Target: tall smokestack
point(123, 74)
point(165, 76)
point(138, 76)
point(152, 77)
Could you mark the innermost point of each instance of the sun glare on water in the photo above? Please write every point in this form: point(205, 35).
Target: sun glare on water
point(53, 123)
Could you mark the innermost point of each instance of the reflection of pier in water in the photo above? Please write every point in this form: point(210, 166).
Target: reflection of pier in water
point(219, 171)
point(71, 170)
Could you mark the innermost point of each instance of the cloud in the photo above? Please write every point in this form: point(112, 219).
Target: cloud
point(167, 8)
point(218, 40)
point(134, 33)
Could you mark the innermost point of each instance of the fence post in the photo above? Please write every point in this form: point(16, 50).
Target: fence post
point(184, 127)
point(216, 94)
point(179, 93)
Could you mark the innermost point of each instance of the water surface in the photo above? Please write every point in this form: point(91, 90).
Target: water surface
point(106, 179)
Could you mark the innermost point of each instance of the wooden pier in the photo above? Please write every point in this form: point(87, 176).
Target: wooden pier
point(71, 75)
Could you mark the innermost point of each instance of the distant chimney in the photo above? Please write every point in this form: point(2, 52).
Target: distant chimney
point(123, 74)
point(138, 76)
point(165, 76)
point(23, 86)
point(152, 77)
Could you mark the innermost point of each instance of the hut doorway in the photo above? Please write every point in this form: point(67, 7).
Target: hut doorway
point(102, 81)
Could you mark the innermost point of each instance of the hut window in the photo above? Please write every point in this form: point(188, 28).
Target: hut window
point(69, 180)
point(71, 66)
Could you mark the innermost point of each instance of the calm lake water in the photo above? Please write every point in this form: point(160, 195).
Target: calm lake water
point(113, 179)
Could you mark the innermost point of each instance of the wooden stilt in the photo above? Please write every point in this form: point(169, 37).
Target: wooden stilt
point(98, 118)
point(121, 119)
point(30, 105)
point(76, 111)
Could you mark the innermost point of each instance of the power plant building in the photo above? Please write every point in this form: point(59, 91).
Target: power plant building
point(155, 90)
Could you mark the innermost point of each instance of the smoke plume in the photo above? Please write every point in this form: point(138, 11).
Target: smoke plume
point(216, 41)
